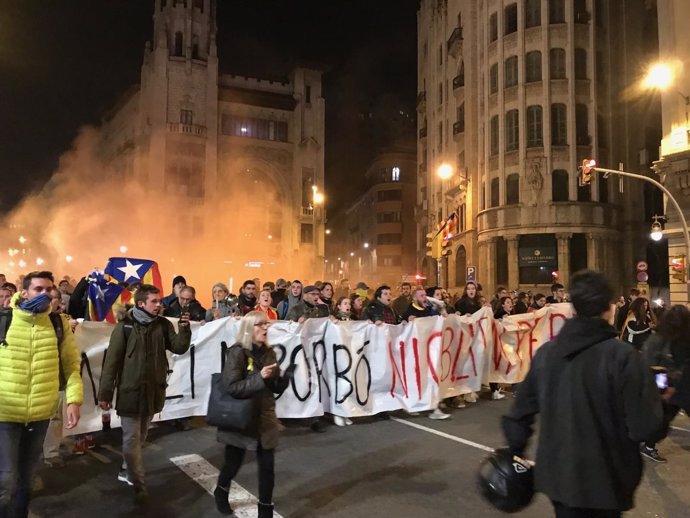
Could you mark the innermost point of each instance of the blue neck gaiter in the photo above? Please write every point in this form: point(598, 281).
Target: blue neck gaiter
point(38, 304)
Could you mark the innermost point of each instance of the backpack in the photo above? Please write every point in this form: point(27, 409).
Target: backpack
point(6, 320)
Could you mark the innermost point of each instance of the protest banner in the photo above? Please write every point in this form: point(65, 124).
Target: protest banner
point(351, 369)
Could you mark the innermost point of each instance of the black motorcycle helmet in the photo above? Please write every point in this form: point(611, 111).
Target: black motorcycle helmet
point(506, 481)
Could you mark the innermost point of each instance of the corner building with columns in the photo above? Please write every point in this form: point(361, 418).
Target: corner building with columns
point(514, 94)
point(241, 157)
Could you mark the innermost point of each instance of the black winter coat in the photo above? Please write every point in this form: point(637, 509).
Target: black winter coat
point(242, 379)
point(196, 311)
point(597, 401)
point(467, 306)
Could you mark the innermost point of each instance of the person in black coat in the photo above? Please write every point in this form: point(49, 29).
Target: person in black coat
point(186, 303)
point(470, 302)
point(251, 371)
point(668, 351)
point(597, 401)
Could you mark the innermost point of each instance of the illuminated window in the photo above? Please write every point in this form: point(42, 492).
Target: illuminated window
point(395, 174)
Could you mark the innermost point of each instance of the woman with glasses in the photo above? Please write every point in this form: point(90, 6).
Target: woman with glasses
point(251, 371)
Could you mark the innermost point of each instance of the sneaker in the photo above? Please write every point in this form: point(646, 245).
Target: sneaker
point(497, 394)
point(457, 402)
point(348, 421)
point(79, 447)
point(471, 397)
point(339, 421)
point(123, 476)
point(438, 415)
point(652, 454)
point(54, 462)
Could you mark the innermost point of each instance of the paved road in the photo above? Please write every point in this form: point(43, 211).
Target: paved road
point(371, 469)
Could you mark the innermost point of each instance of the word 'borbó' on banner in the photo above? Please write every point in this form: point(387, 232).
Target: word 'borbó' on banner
point(350, 369)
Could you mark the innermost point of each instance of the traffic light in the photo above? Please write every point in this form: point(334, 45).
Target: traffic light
point(678, 267)
point(434, 244)
point(445, 244)
point(586, 171)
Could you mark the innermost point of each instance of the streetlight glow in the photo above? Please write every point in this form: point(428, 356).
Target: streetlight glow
point(366, 245)
point(68, 258)
point(22, 239)
point(445, 171)
point(328, 231)
point(39, 261)
point(659, 76)
point(123, 249)
point(656, 232)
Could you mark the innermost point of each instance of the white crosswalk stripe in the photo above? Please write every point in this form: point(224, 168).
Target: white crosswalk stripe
point(205, 474)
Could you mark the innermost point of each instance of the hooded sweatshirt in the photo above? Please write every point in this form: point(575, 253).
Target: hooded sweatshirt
point(287, 304)
point(597, 402)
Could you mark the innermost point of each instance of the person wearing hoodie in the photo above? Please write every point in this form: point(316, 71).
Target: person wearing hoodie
point(136, 366)
point(247, 299)
point(596, 400)
point(280, 293)
point(294, 297)
point(178, 283)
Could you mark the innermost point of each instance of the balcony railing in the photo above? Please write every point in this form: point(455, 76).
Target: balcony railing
point(187, 129)
point(308, 212)
point(455, 42)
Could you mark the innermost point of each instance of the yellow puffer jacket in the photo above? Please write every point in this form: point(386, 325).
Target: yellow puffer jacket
point(29, 368)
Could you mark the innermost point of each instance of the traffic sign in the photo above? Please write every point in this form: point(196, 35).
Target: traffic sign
point(642, 266)
point(471, 274)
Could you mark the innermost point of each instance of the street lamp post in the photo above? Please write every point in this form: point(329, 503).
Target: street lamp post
point(591, 165)
point(445, 171)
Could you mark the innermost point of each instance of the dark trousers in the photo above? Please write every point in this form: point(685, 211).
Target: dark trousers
point(578, 512)
point(20, 449)
point(493, 387)
point(670, 412)
point(266, 460)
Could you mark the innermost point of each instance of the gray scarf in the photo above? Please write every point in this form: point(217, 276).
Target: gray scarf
point(142, 317)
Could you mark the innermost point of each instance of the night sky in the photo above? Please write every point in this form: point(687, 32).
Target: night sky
point(64, 63)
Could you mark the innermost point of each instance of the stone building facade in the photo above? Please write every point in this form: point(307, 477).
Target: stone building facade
point(514, 94)
point(374, 240)
point(241, 157)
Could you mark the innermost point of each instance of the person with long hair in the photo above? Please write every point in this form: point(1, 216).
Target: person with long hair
point(327, 295)
point(539, 302)
point(251, 371)
point(669, 350)
point(470, 302)
point(638, 324)
point(357, 307)
point(343, 309)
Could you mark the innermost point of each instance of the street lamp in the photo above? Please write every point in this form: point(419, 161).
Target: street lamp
point(123, 249)
point(366, 245)
point(444, 171)
point(659, 76)
point(318, 197)
point(657, 232)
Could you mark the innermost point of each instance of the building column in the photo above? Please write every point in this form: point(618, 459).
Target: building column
point(593, 243)
point(488, 270)
point(564, 257)
point(513, 262)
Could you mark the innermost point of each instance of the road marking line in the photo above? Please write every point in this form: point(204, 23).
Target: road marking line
point(681, 429)
point(444, 435)
point(205, 474)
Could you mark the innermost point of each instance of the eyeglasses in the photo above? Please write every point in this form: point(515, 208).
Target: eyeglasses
point(263, 324)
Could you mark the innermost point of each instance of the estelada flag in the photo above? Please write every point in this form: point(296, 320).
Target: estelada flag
point(110, 288)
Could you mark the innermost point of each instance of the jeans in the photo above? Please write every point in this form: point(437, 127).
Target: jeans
point(134, 430)
point(266, 460)
point(20, 449)
point(578, 512)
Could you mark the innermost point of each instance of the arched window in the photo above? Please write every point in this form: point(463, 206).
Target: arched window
point(513, 189)
point(178, 51)
point(493, 27)
point(512, 130)
point(559, 185)
point(535, 134)
point(460, 266)
point(559, 125)
point(510, 19)
point(533, 66)
point(557, 63)
point(510, 76)
point(495, 186)
point(532, 13)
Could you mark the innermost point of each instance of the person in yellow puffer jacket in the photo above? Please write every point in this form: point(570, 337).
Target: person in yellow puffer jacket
point(29, 379)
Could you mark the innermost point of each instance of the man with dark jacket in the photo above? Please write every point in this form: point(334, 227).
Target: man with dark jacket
point(403, 302)
point(309, 307)
point(178, 283)
point(186, 303)
point(622, 312)
point(247, 299)
point(280, 293)
point(379, 311)
point(135, 363)
point(597, 402)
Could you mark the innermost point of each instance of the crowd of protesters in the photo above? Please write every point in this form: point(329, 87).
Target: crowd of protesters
point(661, 338)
